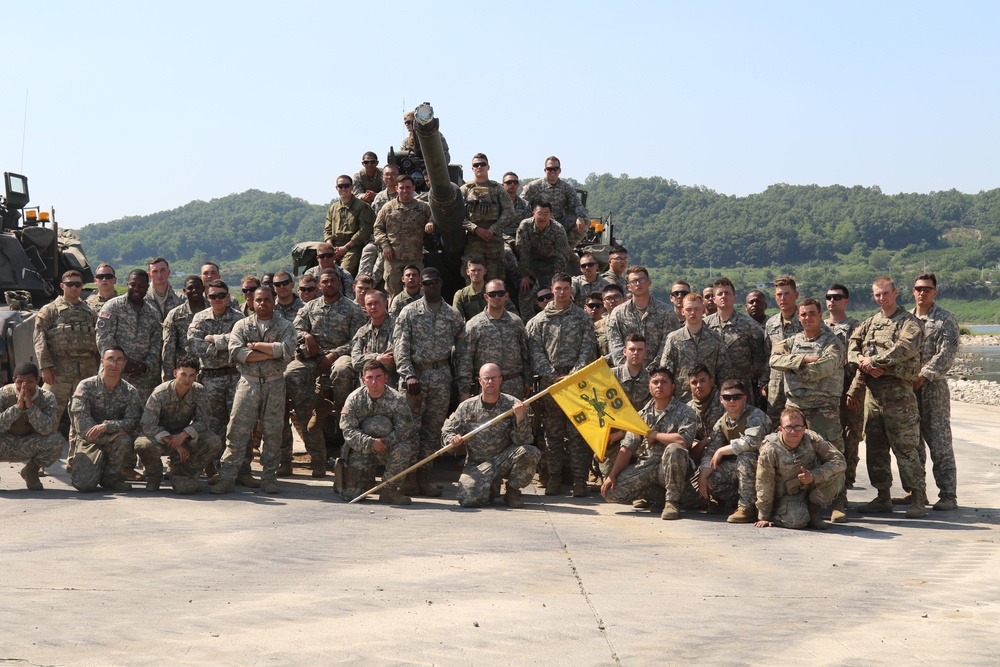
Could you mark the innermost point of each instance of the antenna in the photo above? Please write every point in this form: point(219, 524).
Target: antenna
point(24, 128)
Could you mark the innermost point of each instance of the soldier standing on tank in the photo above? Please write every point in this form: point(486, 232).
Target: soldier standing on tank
point(488, 211)
point(399, 233)
point(177, 322)
point(522, 210)
point(851, 413)
point(411, 144)
point(160, 294)
point(367, 181)
point(106, 280)
point(886, 348)
point(642, 314)
point(496, 336)
point(349, 223)
point(561, 196)
point(28, 425)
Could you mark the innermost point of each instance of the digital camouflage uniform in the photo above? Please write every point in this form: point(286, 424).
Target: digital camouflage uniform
point(658, 321)
point(744, 348)
point(502, 341)
point(401, 300)
point(401, 227)
point(613, 278)
point(99, 462)
point(781, 498)
point(425, 341)
point(362, 182)
point(29, 435)
point(346, 283)
point(582, 289)
point(776, 329)
point(364, 419)
point(371, 341)
point(501, 452)
point(381, 199)
point(469, 303)
point(521, 212)
point(171, 300)
point(291, 309)
point(350, 223)
point(937, 353)
point(168, 414)
point(487, 206)
point(139, 333)
point(637, 390)
point(542, 253)
point(891, 418)
point(260, 395)
point(566, 205)
point(660, 468)
point(734, 481)
point(175, 329)
point(709, 411)
point(851, 421)
point(561, 342)
point(682, 351)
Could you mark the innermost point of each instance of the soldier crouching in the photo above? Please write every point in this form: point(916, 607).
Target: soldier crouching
point(501, 452)
point(175, 424)
point(28, 424)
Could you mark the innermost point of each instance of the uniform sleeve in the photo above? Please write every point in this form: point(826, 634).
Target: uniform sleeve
point(767, 466)
point(168, 353)
point(133, 413)
point(830, 362)
point(379, 234)
point(196, 339)
point(540, 363)
point(155, 349)
point(758, 426)
point(506, 212)
point(366, 225)
point(402, 346)
point(560, 249)
point(43, 322)
point(907, 345)
point(833, 462)
point(106, 322)
point(149, 423)
point(940, 363)
point(524, 250)
point(463, 360)
point(588, 350)
point(328, 225)
point(715, 443)
point(351, 427)
point(42, 415)
point(453, 426)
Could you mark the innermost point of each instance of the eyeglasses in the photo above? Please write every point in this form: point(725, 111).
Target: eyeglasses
point(732, 397)
point(369, 162)
point(595, 305)
point(491, 378)
point(552, 168)
point(250, 290)
point(105, 276)
point(325, 255)
point(479, 165)
point(282, 283)
point(638, 281)
point(73, 284)
point(511, 182)
point(923, 288)
point(587, 265)
point(307, 288)
point(218, 296)
point(794, 428)
point(835, 297)
point(343, 186)
point(546, 297)
point(497, 293)
point(679, 294)
point(430, 281)
point(618, 258)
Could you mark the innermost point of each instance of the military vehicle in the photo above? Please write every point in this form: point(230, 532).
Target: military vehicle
point(34, 253)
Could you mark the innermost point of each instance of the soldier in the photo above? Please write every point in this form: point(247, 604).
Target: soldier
point(28, 425)
point(308, 286)
point(588, 281)
point(367, 181)
point(798, 474)
point(694, 344)
point(812, 362)
point(349, 223)
point(617, 268)
point(561, 341)
point(542, 248)
point(566, 207)
point(501, 452)
point(411, 291)
point(851, 414)
point(326, 257)
point(374, 339)
point(286, 303)
point(537, 304)
point(160, 294)
point(471, 300)
point(325, 328)
point(642, 314)
point(756, 306)
point(886, 348)
point(177, 322)
point(428, 333)
point(522, 210)
point(390, 174)
point(595, 308)
point(248, 286)
point(496, 336)
point(378, 428)
point(210, 272)
point(106, 281)
point(362, 284)
point(175, 424)
point(783, 324)
point(707, 404)
point(708, 294)
point(678, 291)
point(131, 322)
point(261, 346)
point(728, 467)
point(208, 339)
point(488, 211)
point(106, 412)
point(399, 233)
point(634, 380)
point(411, 144)
point(940, 344)
point(663, 458)
point(743, 337)
point(612, 296)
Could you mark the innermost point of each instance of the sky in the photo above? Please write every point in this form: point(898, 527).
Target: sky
point(115, 109)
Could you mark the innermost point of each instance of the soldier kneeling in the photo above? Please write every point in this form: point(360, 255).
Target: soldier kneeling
point(28, 424)
point(175, 424)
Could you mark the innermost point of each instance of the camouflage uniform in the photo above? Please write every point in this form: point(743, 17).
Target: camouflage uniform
point(937, 353)
point(381, 199)
point(582, 289)
point(660, 468)
point(709, 412)
point(168, 414)
point(423, 350)
point(542, 253)
point(744, 347)
point(502, 451)
point(502, 341)
point(401, 300)
point(613, 278)
point(411, 144)
point(487, 206)
point(601, 331)
point(370, 341)
point(346, 283)
point(683, 350)
point(392, 422)
point(351, 223)
point(363, 182)
point(401, 227)
point(171, 300)
point(561, 341)
point(96, 302)
point(139, 333)
point(260, 395)
point(851, 421)
point(734, 481)
point(566, 206)
point(781, 498)
point(637, 390)
point(521, 212)
point(290, 310)
point(101, 461)
point(891, 417)
point(175, 328)
point(776, 329)
point(469, 303)
point(29, 435)
point(655, 324)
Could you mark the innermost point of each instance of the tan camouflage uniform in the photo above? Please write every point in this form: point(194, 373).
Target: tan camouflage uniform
point(776, 329)
point(654, 325)
point(542, 253)
point(401, 227)
point(364, 419)
point(350, 224)
point(734, 481)
point(851, 421)
point(96, 302)
point(29, 435)
point(99, 462)
point(502, 341)
point(781, 498)
point(683, 350)
point(487, 206)
point(744, 347)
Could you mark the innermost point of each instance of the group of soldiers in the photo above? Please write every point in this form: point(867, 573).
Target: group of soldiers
point(378, 358)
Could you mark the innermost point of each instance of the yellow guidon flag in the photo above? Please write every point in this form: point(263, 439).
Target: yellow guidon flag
point(595, 403)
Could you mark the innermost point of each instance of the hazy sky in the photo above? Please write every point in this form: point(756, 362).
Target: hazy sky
point(134, 108)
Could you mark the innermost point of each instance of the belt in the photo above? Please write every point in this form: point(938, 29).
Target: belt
point(218, 372)
point(259, 380)
point(431, 366)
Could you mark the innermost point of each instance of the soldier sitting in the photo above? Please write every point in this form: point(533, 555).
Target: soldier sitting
point(175, 424)
point(28, 424)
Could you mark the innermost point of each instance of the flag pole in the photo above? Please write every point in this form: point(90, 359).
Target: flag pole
point(447, 448)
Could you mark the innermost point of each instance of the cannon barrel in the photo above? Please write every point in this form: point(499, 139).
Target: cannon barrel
point(446, 200)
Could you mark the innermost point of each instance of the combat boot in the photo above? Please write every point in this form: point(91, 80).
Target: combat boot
point(882, 503)
point(427, 488)
point(270, 486)
point(917, 509)
point(318, 469)
point(512, 498)
point(670, 511)
point(319, 415)
point(116, 486)
point(553, 485)
point(409, 487)
point(741, 515)
point(222, 486)
point(393, 497)
point(247, 480)
point(839, 512)
point(285, 469)
point(815, 522)
point(153, 482)
point(29, 473)
point(944, 504)
point(903, 500)
point(580, 489)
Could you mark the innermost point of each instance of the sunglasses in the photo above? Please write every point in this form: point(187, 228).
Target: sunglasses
point(325, 255)
point(546, 297)
point(552, 169)
point(369, 162)
point(250, 290)
point(407, 122)
point(923, 288)
point(587, 265)
point(497, 293)
point(343, 186)
point(835, 297)
point(732, 397)
point(432, 281)
point(105, 276)
point(679, 294)
point(282, 283)
point(306, 288)
point(218, 296)
point(511, 182)
point(595, 305)
point(478, 165)
point(73, 284)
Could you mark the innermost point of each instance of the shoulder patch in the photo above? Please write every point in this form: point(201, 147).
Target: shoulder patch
point(40, 315)
point(104, 314)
